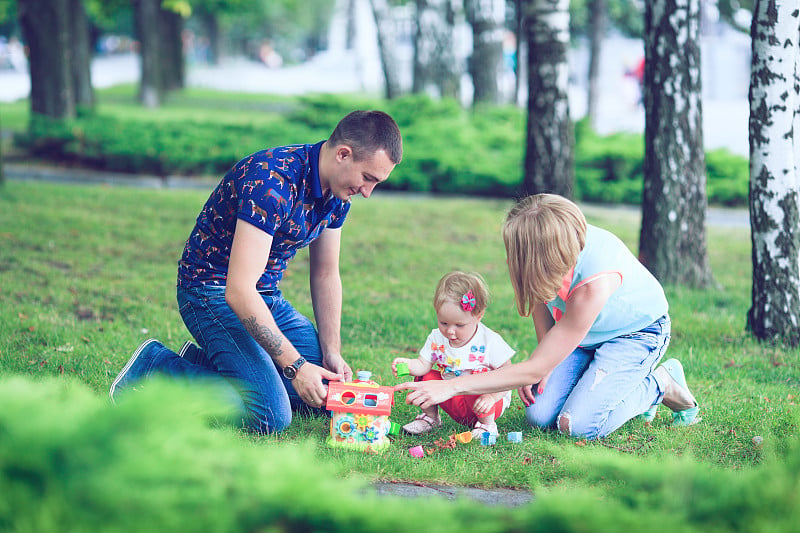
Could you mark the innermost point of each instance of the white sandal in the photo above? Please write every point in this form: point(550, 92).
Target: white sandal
point(422, 424)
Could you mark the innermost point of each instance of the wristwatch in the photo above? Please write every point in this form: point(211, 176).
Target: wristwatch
point(290, 372)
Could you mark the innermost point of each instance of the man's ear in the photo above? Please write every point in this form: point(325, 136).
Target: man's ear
point(343, 152)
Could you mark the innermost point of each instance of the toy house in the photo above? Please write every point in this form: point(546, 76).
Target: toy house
point(360, 414)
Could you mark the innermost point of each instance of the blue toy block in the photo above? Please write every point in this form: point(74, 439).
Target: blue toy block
point(488, 439)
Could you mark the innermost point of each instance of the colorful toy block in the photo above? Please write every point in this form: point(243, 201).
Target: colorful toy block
point(465, 437)
point(488, 439)
point(402, 369)
point(417, 452)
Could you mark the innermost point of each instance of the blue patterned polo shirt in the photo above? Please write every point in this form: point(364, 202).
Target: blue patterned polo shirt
point(277, 190)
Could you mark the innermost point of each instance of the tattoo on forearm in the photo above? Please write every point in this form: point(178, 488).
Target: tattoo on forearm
point(264, 336)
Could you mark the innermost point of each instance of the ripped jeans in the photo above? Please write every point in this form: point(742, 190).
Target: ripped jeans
point(595, 391)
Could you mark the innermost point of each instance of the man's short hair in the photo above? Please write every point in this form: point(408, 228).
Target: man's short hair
point(368, 132)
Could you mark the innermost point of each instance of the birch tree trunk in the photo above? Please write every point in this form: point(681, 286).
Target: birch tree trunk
point(45, 27)
point(549, 155)
point(672, 242)
point(386, 38)
point(436, 69)
point(519, 32)
point(775, 171)
point(597, 30)
point(487, 18)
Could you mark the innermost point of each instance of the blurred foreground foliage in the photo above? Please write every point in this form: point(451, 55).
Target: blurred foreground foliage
point(70, 461)
point(447, 149)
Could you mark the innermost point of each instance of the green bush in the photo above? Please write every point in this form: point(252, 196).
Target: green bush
point(728, 178)
point(447, 149)
point(608, 169)
point(69, 461)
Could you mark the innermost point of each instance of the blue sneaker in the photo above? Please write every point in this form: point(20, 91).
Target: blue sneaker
point(688, 415)
point(135, 369)
point(650, 415)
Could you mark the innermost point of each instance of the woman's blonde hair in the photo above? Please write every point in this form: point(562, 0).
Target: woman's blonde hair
point(543, 234)
point(454, 285)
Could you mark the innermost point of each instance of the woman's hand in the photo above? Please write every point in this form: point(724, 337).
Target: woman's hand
point(426, 394)
point(526, 392)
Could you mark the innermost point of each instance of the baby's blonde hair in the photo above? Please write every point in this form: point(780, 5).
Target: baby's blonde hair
point(454, 285)
point(543, 234)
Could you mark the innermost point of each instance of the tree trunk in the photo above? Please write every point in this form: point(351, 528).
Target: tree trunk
point(81, 55)
point(672, 241)
point(2, 171)
point(350, 29)
point(151, 86)
point(386, 38)
point(519, 32)
point(775, 172)
point(436, 70)
point(549, 157)
point(487, 18)
point(45, 27)
point(597, 29)
point(211, 26)
point(173, 72)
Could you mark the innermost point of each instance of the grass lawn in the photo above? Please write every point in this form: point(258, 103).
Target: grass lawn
point(88, 272)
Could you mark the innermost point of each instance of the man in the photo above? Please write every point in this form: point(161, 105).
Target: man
point(268, 206)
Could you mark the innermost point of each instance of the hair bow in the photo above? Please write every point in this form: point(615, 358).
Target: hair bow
point(468, 301)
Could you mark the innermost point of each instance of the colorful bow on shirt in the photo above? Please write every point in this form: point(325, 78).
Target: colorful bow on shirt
point(437, 347)
point(473, 358)
point(468, 301)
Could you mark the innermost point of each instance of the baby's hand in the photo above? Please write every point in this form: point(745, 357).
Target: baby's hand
point(398, 360)
point(484, 404)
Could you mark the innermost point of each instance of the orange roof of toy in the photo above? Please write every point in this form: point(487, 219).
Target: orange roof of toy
point(360, 398)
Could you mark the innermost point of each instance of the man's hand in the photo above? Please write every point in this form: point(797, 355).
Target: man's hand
point(336, 363)
point(308, 384)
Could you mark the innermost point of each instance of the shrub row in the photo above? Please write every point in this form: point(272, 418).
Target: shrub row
point(69, 461)
point(447, 149)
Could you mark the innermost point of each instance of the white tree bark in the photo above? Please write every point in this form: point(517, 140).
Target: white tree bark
point(549, 155)
point(487, 18)
point(672, 241)
point(437, 71)
point(381, 10)
point(774, 168)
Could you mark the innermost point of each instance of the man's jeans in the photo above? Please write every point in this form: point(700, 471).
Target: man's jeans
point(228, 350)
point(600, 389)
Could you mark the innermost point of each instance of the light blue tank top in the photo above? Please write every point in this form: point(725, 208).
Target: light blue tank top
point(636, 304)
